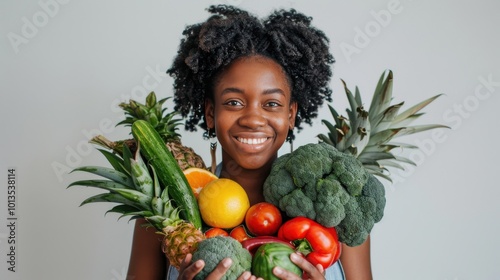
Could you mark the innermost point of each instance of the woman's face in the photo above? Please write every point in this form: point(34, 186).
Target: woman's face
point(252, 111)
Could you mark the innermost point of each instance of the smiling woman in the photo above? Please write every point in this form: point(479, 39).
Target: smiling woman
point(251, 83)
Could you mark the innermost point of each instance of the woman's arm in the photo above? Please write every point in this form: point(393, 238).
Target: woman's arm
point(147, 260)
point(356, 261)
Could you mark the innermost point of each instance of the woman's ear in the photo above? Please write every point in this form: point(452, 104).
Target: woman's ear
point(292, 114)
point(209, 113)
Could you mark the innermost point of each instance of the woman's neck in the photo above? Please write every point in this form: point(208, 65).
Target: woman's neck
point(252, 180)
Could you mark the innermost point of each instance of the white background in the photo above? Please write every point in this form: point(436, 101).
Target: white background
point(65, 67)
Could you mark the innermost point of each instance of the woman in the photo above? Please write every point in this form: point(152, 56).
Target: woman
point(250, 82)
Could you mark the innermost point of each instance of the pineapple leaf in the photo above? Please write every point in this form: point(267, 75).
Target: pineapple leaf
point(110, 197)
point(405, 160)
point(375, 156)
point(156, 183)
point(156, 221)
point(135, 196)
point(385, 119)
point(333, 133)
point(402, 145)
point(380, 83)
point(381, 148)
point(352, 102)
point(105, 143)
point(391, 163)
point(408, 120)
point(136, 215)
point(326, 139)
point(164, 195)
point(101, 184)
point(116, 162)
point(361, 130)
point(151, 99)
point(357, 96)
point(108, 173)
point(418, 128)
point(382, 96)
point(334, 113)
point(414, 109)
point(157, 205)
point(122, 209)
point(128, 121)
point(376, 171)
point(141, 177)
point(127, 156)
point(384, 136)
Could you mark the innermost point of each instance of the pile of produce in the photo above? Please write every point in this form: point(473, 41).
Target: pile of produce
point(317, 197)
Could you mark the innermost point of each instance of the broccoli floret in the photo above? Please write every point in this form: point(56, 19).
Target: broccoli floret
point(279, 180)
point(213, 250)
point(296, 204)
point(329, 186)
point(301, 158)
point(331, 198)
point(362, 212)
point(358, 222)
point(375, 190)
point(350, 173)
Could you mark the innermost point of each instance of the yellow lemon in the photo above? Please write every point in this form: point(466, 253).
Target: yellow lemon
point(223, 203)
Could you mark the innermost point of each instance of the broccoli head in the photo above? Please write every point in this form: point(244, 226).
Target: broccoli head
point(213, 250)
point(362, 212)
point(319, 182)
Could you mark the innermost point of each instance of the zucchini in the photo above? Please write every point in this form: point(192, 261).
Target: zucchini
point(167, 169)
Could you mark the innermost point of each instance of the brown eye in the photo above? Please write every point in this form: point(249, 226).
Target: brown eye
point(273, 104)
point(233, 103)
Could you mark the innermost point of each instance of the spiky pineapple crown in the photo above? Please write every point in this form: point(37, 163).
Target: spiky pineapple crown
point(368, 134)
point(134, 187)
point(153, 112)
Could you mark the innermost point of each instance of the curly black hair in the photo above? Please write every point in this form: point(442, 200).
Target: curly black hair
point(287, 37)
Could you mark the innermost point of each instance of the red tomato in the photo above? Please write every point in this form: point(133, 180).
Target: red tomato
point(239, 233)
point(212, 232)
point(263, 219)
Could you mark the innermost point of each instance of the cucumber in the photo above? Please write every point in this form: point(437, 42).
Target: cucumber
point(168, 171)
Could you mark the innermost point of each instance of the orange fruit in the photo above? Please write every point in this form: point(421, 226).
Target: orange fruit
point(223, 203)
point(212, 232)
point(198, 178)
point(239, 233)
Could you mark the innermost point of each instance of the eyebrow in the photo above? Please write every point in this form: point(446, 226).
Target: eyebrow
point(238, 90)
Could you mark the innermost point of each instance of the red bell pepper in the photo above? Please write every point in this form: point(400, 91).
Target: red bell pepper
point(318, 244)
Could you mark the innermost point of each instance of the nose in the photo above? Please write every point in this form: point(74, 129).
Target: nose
point(253, 118)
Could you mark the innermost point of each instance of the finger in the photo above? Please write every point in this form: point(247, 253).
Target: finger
point(187, 270)
point(246, 276)
point(320, 268)
point(308, 268)
point(186, 261)
point(220, 269)
point(284, 274)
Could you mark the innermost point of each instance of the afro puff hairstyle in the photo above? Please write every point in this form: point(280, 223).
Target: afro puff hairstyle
point(287, 37)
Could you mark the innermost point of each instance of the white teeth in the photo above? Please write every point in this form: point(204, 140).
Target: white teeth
point(252, 141)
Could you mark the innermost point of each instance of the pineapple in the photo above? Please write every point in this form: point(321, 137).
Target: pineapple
point(137, 191)
point(166, 125)
point(368, 134)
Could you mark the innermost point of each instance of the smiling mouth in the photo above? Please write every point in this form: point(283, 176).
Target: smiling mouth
point(252, 141)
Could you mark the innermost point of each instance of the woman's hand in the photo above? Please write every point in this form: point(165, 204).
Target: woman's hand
point(310, 271)
point(189, 270)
